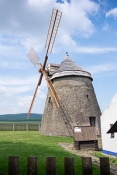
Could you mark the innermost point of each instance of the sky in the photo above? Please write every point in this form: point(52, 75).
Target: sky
point(87, 31)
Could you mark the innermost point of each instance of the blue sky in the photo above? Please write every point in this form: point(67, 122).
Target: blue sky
point(88, 32)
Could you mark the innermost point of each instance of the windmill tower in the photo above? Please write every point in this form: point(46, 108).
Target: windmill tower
point(71, 100)
point(77, 100)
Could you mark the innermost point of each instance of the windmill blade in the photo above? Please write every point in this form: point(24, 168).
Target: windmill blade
point(52, 92)
point(53, 28)
point(33, 57)
point(41, 76)
point(33, 99)
point(52, 31)
point(52, 89)
point(54, 97)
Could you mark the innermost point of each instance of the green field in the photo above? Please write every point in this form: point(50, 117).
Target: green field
point(30, 143)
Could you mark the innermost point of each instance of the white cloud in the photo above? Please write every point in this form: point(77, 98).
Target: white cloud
point(112, 12)
point(10, 51)
point(32, 41)
point(28, 21)
point(102, 68)
point(11, 103)
point(16, 65)
point(77, 21)
point(24, 101)
point(15, 81)
point(10, 90)
point(25, 24)
point(14, 85)
point(41, 3)
point(97, 50)
point(16, 95)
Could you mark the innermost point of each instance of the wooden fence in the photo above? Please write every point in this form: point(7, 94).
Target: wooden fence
point(32, 166)
point(19, 127)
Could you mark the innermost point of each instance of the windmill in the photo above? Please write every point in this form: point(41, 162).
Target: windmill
point(34, 58)
point(71, 100)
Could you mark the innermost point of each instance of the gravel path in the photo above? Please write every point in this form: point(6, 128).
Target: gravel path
point(87, 153)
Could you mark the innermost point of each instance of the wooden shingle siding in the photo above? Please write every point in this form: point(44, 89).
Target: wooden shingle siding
point(87, 133)
point(85, 137)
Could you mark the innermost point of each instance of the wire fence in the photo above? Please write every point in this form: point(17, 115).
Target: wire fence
point(19, 126)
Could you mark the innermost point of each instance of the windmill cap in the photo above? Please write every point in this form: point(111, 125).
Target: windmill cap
point(68, 65)
point(69, 68)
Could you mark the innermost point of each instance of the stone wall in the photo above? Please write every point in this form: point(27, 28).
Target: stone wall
point(79, 99)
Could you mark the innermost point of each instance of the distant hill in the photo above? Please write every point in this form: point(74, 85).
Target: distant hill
point(20, 117)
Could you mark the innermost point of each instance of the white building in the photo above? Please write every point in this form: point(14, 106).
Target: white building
point(108, 118)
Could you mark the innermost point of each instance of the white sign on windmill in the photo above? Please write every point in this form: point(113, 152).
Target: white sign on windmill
point(77, 129)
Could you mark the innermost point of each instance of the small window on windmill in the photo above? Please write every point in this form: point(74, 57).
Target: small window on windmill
point(92, 121)
point(112, 134)
point(87, 96)
point(49, 100)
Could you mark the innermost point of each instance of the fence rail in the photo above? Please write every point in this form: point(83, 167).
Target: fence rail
point(19, 126)
point(32, 166)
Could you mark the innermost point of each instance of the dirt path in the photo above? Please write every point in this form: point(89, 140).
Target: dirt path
point(87, 153)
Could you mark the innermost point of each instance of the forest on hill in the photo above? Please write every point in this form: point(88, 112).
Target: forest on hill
point(20, 117)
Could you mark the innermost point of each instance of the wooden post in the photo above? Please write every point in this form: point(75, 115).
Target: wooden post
point(13, 166)
point(87, 165)
point(104, 166)
point(78, 145)
point(50, 166)
point(69, 166)
point(13, 127)
point(26, 126)
point(32, 167)
point(39, 128)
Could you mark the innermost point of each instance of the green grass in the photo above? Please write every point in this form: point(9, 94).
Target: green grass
point(30, 143)
point(112, 159)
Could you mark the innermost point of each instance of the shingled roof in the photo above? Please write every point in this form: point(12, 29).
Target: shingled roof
point(67, 68)
point(68, 65)
point(113, 128)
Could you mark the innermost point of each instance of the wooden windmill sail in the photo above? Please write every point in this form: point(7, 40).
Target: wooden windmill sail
point(34, 58)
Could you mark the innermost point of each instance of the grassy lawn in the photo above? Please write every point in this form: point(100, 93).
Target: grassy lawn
point(30, 143)
point(112, 159)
